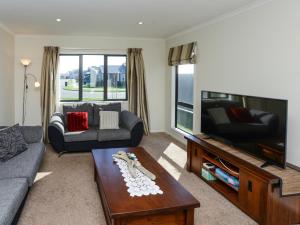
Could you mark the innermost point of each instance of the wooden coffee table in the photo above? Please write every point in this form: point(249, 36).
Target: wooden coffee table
point(175, 206)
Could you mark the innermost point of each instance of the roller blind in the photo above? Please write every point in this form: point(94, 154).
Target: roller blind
point(182, 54)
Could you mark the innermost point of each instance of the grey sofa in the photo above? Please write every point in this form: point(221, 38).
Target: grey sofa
point(129, 135)
point(17, 175)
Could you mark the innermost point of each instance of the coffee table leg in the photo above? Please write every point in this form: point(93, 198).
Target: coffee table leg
point(189, 217)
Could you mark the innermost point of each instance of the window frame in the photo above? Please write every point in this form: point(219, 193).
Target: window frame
point(105, 79)
point(177, 103)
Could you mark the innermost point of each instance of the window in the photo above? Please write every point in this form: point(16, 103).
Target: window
point(92, 77)
point(184, 89)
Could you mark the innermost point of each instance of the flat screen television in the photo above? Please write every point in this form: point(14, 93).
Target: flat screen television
point(256, 125)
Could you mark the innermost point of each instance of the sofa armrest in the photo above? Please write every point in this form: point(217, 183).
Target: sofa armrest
point(32, 134)
point(134, 124)
point(128, 119)
point(61, 116)
point(56, 130)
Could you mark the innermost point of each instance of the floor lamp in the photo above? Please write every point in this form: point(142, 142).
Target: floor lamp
point(25, 63)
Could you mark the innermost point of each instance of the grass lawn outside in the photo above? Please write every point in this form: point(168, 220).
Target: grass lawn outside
point(83, 99)
point(97, 89)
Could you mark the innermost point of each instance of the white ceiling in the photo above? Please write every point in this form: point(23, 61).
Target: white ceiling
point(161, 18)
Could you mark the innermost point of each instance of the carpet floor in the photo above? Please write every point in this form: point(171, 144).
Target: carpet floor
point(65, 193)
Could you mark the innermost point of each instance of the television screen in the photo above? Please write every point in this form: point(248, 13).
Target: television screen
point(253, 124)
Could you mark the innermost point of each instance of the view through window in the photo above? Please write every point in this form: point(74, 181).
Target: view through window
point(92, 77)
point(184, 97)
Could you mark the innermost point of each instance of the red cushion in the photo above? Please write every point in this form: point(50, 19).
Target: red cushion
point(77, 121)
point(240, 114)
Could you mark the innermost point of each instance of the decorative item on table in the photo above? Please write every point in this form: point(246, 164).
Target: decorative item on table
point(207, 175)
point(138, 179)
point(133, 164)
point(132, 156)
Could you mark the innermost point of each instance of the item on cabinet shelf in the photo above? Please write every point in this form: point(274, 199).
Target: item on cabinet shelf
point(207, 175)
point(234, 172)
point(227, 178)
point(209, 166)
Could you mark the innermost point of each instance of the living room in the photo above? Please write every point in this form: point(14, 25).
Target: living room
point(240, 47)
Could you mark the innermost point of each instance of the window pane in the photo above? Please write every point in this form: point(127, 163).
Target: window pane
point(184, 119)
point(93, 77)
point(185, 84)
point(116, 81)
point(69, 78)
point(185, 93)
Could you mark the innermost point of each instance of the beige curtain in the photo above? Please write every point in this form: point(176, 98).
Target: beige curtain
point(182, 54)
point(137, 95)
point(48, 86)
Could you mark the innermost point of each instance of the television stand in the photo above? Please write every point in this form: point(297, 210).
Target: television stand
point(270, 196)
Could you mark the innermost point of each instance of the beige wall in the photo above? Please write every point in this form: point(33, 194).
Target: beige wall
point(6, 77)
point(154, 57)
point(255, 53)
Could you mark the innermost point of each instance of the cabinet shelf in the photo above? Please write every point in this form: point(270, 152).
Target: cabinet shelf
point(220, 165)
point(225, 190)
point(224, 182)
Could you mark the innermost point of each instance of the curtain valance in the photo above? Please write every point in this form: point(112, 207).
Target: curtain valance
point(182, 54)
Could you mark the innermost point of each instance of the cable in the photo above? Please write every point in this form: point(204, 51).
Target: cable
point(228, 168)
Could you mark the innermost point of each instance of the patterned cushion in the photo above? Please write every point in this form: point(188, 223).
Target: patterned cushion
point(109, 107)
point(11, 142)
point(109, 120)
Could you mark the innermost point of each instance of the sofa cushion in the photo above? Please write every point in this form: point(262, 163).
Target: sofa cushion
point(109, 107)
point(12, 193)
point(109, 120)
point(32, 134)
point(12, 142)
point(85, 107)
point(86, 135)
point(114, 134)
point(77, 121)
point(24, 165)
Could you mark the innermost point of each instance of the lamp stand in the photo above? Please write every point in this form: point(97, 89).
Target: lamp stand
point(25, 88)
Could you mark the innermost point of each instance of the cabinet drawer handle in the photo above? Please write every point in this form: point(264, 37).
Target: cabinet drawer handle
point(249, 186)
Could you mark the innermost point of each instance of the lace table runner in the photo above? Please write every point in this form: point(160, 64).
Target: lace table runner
point(139, 186)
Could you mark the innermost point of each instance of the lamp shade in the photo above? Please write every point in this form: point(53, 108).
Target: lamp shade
point(25, 62)
point(37, 84)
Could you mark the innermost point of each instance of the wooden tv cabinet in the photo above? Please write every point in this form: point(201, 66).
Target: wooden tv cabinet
point(270, 196)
